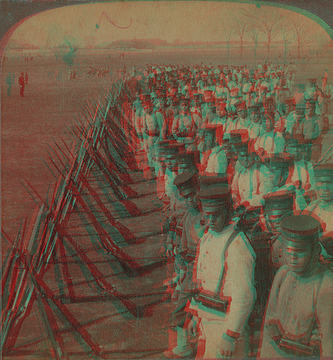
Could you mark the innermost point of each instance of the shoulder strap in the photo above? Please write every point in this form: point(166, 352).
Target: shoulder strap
point(308, 333)
point(230, 240)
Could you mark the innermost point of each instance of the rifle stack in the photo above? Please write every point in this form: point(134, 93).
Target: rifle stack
point(91, 242)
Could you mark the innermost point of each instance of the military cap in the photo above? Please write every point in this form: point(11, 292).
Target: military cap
point(161, 150)
point(300, 108)
point(244, 146)
point(279, 202)
point(237, 136)
point(207, 181)
point(297, 141)
point(289, 101)
point(311, 101)
point(213, 199)
point(241, 105)
point(184, 99)
point(161, 94)
point(174, 101)
point(300, 229)
point(212, 128)
point(173, 149)
point(147, 96)
point(186, 183)
point(269, 100)
point(255, 107)
point(324, 173)
point(234, 91)
point(221, 104)
point(282, 160)
point(188, 160)
point(312, 80)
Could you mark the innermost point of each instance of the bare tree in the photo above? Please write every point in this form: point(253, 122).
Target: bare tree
point(255, 33)
point(305, 31)
point(288, 35)
point(268, 19)
point(239, 26)
point(228, 35)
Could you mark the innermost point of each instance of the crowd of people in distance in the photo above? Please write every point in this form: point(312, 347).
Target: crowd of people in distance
point(238, 158)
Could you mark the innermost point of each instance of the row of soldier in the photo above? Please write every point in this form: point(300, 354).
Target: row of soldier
point(226, 255)
point(227, 179)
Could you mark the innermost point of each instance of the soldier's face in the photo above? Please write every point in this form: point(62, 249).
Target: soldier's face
point(271, 225)
point(241, 113)
point(211, 108)
point(148, 107)
point(255, 116)
point(184, 107)
point(175, 110)
point(217, 220)
point(310, 110)
point(209, 140)
point(267, 124)
point(325, 190)
point(160, 104)
point(245, 159)
point(297, 258)
point(171, 164)
point(191, 202)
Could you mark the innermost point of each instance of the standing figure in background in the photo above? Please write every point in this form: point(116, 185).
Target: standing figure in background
point(21, 84)
point(10, 81)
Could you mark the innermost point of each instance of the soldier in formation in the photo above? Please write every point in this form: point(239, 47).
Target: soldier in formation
point(264, 211)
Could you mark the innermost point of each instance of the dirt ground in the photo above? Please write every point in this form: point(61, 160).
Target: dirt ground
point(30, 127)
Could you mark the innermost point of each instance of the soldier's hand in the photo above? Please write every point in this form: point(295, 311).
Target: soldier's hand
point(182, 276)
point(169, 252)
point(226, 348)
point(193, 327)
point(162, 252)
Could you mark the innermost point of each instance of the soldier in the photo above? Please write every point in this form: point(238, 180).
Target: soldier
point(302, 174)
point(184, 126)
point(21, 84)
point(170, 114)
point(196, 108)
point(224, 272)
point(299, 314)
point(252, 180)
point(242, 121)
point(222, 116)
point(322, 208)
point(214, 159)
point(209, 100)
point(233, 100)
point(314, 128)
point(255, 125)
point(192, 230)
point(270, 141)
point(222, 91)
point(152, 127)
point(276, 205)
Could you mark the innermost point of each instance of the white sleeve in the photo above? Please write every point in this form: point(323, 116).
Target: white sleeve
point(240, 261)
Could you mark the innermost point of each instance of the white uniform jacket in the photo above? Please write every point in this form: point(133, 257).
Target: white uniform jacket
point(238, 281)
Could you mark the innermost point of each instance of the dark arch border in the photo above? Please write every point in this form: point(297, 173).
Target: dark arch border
point(15, 12)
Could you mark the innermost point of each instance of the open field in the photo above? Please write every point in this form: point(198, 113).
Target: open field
point(30, 124)
point(29, 127)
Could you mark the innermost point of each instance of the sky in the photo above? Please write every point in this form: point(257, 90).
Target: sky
point(89, 25)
